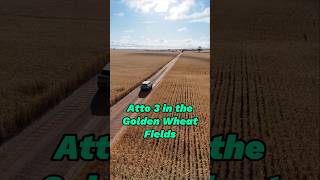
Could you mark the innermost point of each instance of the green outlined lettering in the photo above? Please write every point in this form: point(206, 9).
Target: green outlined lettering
point(236, 149)
point(87, 149)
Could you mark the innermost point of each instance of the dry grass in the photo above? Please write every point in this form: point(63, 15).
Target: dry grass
point(187, 156)
point(46, 51)
point(130, 68)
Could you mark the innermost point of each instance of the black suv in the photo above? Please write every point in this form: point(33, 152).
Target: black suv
point(104, 77)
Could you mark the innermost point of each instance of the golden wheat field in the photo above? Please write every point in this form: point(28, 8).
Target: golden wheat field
point(265, 84)
point(46, 51)
point(186, 156)
point(130, 68)
point(27, 92)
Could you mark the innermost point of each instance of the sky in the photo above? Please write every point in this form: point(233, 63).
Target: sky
point(159, 24)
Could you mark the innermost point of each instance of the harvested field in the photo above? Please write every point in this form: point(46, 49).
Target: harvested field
point(46, 51)
point(186, 156)
point(265, 84)
point(130, 68)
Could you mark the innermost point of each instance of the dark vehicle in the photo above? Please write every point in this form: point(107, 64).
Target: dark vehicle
point(104, 77)
point(146, 86)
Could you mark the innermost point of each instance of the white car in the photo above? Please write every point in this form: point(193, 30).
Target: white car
point(146, 86)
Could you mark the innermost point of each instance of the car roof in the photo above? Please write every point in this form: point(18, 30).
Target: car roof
point(146, 82)
point(106, 67)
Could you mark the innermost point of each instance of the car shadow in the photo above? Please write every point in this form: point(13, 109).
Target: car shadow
point(100, 104)
point(143, 94)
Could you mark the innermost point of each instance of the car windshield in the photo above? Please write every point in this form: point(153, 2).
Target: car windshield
point(105, 72)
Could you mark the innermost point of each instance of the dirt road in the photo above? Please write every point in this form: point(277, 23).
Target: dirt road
point(117, 111)
point(27, 156)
